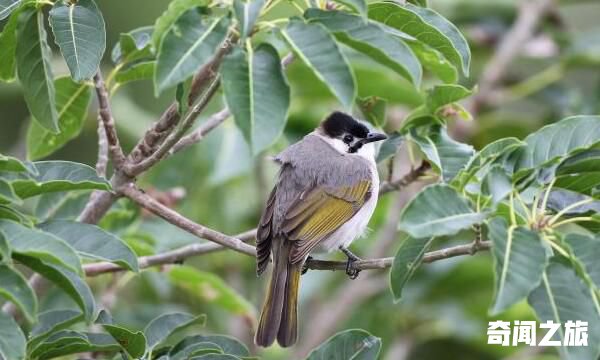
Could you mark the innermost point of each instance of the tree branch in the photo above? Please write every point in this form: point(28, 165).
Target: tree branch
point(105, 114)
point(407, 179)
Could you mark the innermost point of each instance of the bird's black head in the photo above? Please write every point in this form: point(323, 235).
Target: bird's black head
point(350, 131)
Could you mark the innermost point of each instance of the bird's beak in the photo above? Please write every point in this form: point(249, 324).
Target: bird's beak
point(372, 137)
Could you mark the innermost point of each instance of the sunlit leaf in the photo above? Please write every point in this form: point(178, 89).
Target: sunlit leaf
point(133, 45)
point(14, 287)
point(140, 71)
point(34, 70)
point(72, 100)
point(520, 259)
point(189, 44)
point(425, 216)
point(257, 94)
point(442, 95)
point(8, 44)
point(313, 44)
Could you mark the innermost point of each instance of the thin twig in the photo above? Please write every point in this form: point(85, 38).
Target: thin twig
point(409, 178)
point(102, 161)
point(105, 114)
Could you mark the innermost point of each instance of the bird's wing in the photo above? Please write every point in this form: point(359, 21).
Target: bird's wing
point(319, 212)
point(264, 234)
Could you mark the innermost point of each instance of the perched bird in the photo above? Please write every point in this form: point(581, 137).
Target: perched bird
point(325, 195)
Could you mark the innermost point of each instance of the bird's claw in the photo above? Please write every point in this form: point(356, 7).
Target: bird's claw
point(350, 270)
point(305, 265)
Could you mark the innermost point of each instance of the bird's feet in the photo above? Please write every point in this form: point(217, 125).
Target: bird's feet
point(305, 265)
point(350, 270)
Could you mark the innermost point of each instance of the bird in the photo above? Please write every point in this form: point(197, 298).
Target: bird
point(326, 192)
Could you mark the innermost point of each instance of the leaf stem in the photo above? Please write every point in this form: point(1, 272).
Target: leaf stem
point(570, 207)
point(547, 194)
point(513, 218)
point(573, 220)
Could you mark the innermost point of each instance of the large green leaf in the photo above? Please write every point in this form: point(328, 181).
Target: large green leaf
point(580, 173)
point(165, 21)
point(227, 344)
point(14, 287)
point(428, 27)
point(72, 100)
point(246, 14)
point(587, 251)
point(318, 50)
point(92, 242)
point(496, 183)
point(134, 45)
point(56, 176)
point(211, 288)
point(78, 29)
point(372, 40)
point(189, 44)
point(44, 246)
point(160, 328)
point(445, 154)
point(520, 259)
point(353, 344)
point(554, 142)
point(133, 342)
point(433, 61)
point(34, 71)
point(68, 281)
point(8, 6)
point(257, 94)
point(51, 322)
point(12, 339)
point(442, 95)
point(8, 44)
point(407, 260)
point(69, 342)
point(140, 71)
point(438, 210)
point(562, 297)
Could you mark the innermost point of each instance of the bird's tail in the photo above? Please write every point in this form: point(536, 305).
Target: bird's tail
point(279, 318)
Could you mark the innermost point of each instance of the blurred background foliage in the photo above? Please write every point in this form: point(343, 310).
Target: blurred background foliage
point(443, 314)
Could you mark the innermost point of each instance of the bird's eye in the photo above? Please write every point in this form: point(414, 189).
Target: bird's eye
point(348, 139)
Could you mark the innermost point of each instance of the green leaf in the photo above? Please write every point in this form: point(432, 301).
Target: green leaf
point(56, 176)
point(497, 184)
point(561, 297)
point(72, 100)
point(559, 199)
point(8, 44)
point(360, 6)
point(257, 94)
point(133, 45)
point(587, 250)
point(428, 27)
point(246, 14)
point(34, 71)
point(68, 342)
point(318, 50)
point(389, 146)
point(446, 155)
point(8, 6)
point(211, 288)
point(92, 242)
point(189, 347)
point(228, 344)
point(9, 163)
point(215, 357)
point(580, 173)
point(167, 19)
point(160, 328)
point(424, 216)
point(60, 205)
point(12, 339)
point(520, 259)
point(5, 253)
point(79, 32)
point(133, 342)
point(14, 288)
point(374, 109)
point(554, 142)
point(407, 260)
point(68, 281)
point(7, 194)
point(140, 71)
point(50, 322)
point(349, 344)
point(370, 38)
point(433, 61)
point(9, 213)
point(188, 45)
point(446, 94)
point(44, 246)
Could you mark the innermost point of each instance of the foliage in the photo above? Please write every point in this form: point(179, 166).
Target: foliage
point(536, 200)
